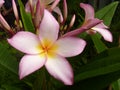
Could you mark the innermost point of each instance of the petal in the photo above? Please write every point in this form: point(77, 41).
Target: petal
point(101, 25)
point(86, 26)
point(58, 11)
point(105, 33)
point(65, 9)
point(1, 3)
point(27, 7)
point(54, 4)
point(70, 46)
point(60, 69)
point(31, 3)
point(38, 14)
point(72, 21)
point(15, 10)
point(26, 42)
point(4, 22)
point(30, 63)
point(49, 27)
point(89, 11)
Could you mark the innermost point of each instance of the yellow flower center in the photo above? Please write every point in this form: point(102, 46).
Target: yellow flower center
point(47, 47)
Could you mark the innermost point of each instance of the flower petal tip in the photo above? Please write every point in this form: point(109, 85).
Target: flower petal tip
point(83, 44)
point(20, 77)
point(109, 39)
point(9, 41)
point(81, 4)
point(70, 82)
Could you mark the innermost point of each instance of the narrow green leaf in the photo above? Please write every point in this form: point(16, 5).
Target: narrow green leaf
point(96, 83)
point(115, 85)
point(7, 60)
point(105, 65)
point(40, 80)
point(99, 45)
point(26, 18)
point(106, 14)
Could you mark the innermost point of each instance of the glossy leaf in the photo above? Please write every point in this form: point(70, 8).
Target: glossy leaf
point(8, 87)
point(26, 18)
point(7, 60)
point(99, 45)
point(96, 83)
point(115, 85)
point(100, 66)
point(106, 14)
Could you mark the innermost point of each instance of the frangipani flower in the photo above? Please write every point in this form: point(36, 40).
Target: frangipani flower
point(47, 49)
point(1, 3)
point(100, 28)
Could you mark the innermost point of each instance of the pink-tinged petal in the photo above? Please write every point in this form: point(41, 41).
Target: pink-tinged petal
point(60, 69)
point(72, 21)
point(49, 28)
point(30, 63)
point(58, 11)
point(27, 7)
point(30, 4)
point(86, 26)
point(54, 4)
point(15, 10)
point(70, 46)
point(65, 9)
point(4, 23)
point(38, 14)
point(26, 42)
point(105, 33)
point(1, 3)
point(89, 11)
point(101, 25)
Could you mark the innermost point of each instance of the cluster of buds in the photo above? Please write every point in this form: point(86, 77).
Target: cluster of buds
point(4, 23)
point(53, 40)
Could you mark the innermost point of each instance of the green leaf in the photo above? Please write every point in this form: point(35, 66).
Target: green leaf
point(95, 83)
point(40, 82)
point(115, 85)
point(7, 60)
point(8, 87)
point(26, 18)
point(100, 66)
point(99, 45)
point(106, 14)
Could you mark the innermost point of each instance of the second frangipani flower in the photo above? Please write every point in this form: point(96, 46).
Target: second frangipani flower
point(47, 49)
point(100, 28)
